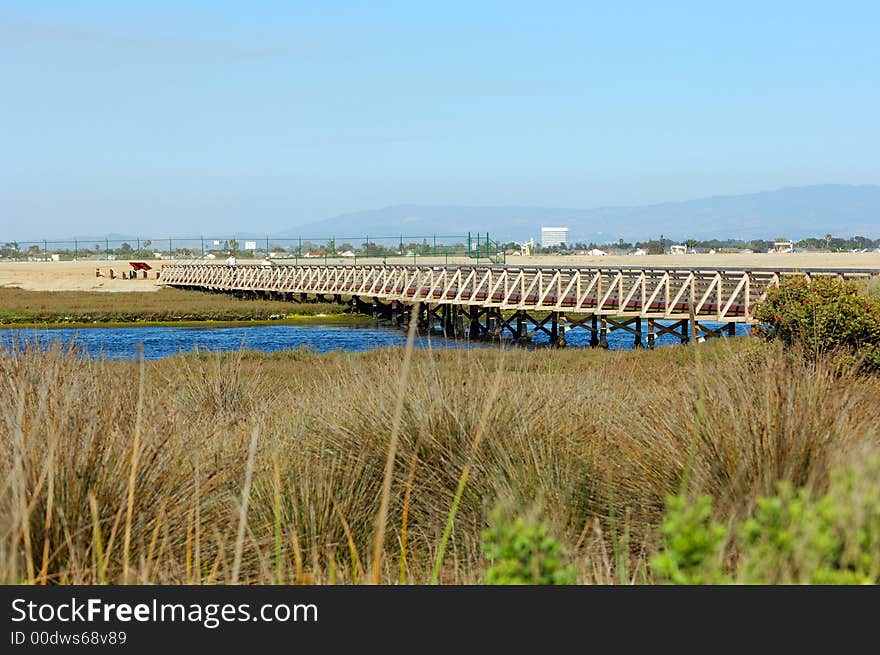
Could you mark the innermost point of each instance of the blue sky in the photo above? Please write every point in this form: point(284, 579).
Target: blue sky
point(222, 116)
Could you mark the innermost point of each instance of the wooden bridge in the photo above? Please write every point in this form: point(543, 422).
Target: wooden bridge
point(488, 301)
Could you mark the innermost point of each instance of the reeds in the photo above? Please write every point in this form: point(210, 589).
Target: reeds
point(160, 479)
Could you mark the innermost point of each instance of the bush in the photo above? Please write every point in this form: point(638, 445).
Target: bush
point(522, 552)
point(693, 544)
point(785, 541)
point(792, 537)
point(822, 316)
point(834, 539)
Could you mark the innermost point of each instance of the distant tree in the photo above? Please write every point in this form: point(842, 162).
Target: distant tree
point(233, 245)
point(125, 248)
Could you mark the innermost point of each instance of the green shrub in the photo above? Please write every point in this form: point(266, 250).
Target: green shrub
point(822, 316)
point(522, 552)
point(793, 537)
point(693, 544)
point(785, 540)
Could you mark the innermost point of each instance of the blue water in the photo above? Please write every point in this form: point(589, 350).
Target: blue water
point(158, 342)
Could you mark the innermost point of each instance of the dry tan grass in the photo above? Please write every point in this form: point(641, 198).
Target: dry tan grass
point(590, 441)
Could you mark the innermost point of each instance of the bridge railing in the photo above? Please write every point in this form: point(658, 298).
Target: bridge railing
point(651, 292)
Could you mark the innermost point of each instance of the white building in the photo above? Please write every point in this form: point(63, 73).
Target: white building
point(553, 236)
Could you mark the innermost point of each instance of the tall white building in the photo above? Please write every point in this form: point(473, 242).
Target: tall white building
point(553, 236)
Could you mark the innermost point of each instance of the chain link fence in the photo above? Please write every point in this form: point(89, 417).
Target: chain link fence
point(401, 248)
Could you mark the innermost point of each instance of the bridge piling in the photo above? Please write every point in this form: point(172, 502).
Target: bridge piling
point(603, 334)
point(521, 329)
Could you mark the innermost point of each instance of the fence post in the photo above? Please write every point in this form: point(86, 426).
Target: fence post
point(107, 248)
point(75, 249)
point(203, 246)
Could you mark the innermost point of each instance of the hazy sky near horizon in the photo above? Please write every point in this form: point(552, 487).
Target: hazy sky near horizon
point(207, 117)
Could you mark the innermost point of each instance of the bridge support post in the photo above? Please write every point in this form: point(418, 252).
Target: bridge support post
point(304, 297)
point(594, 331)
point(560, 336)
point(731, 329)
point(358, 306)
point(603, 335)
point(395, 314)
point(685, 332)
point(637, 340)
point(650, 334)
point(521, 334)
point(475, 329)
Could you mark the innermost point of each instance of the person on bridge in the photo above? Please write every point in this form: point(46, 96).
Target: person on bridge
point(230, 261)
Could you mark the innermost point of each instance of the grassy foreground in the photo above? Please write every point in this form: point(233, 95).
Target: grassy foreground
point(275, 468)
point(22, 307)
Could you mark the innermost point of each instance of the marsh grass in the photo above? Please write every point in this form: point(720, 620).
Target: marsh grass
point(270, 468)
point(23, 306)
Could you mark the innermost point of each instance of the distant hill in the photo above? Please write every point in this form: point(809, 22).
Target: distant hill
point(794, 212)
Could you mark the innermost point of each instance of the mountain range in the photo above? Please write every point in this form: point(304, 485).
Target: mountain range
point(792, 212)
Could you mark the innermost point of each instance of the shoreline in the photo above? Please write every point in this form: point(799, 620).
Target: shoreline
point(303, 319)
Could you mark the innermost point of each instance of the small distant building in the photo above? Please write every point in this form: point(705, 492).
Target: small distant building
point(639, 252)
point(553, 236)
point(526, 249)
point(783, 246)
point(678, 249)
point(595, 252)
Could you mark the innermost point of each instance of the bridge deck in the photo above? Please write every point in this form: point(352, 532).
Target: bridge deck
point(728, 294)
